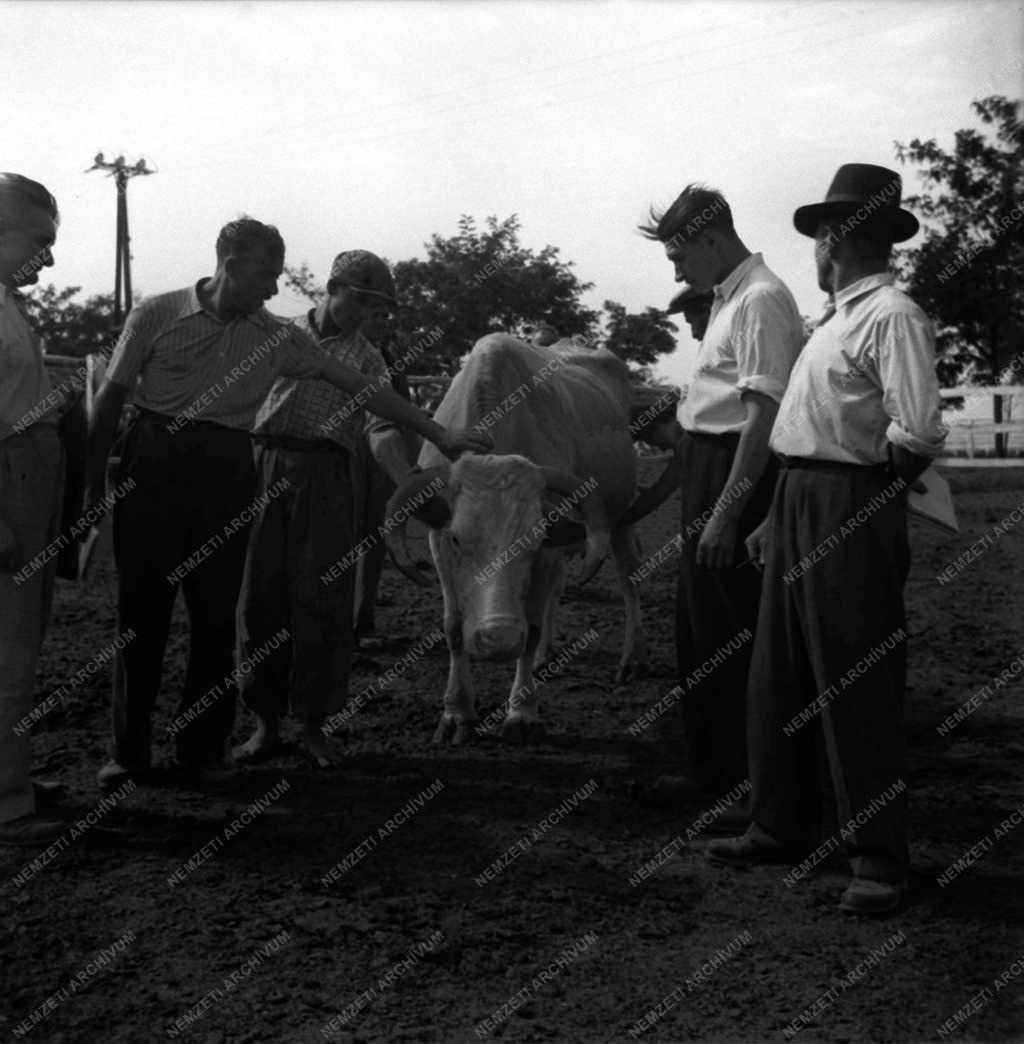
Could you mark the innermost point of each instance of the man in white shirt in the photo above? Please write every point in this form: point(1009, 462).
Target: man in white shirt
point(752, 339)
point(31, 490)
point(859, 422)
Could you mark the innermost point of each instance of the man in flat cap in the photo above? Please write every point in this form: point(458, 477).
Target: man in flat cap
point(300, 569)
point(31, 489)
point(859, 422)
point(753, 336)
point(199, 363)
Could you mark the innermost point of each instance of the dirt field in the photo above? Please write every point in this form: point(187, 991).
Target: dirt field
point(403, 944)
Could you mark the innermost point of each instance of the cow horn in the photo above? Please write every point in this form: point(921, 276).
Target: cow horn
point(432, 509)
point(595, 517)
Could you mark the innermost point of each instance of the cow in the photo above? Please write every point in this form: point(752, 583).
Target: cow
point(563, 470)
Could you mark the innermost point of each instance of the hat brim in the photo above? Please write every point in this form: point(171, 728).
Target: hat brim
point(901, 222)
point(370, 293)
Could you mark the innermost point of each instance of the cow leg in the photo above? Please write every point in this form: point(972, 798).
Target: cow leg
point(522, 721)
point(558, 570)
point(458, 714)
point(626, 563)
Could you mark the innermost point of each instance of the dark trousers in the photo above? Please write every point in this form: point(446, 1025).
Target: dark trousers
point(295, 639)
point(819, 636)
point(192, 492)
point(713, 609)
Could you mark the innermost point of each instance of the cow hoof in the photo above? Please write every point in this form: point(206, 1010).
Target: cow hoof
point(520, 732)
point(457, 733)
point(445, 731)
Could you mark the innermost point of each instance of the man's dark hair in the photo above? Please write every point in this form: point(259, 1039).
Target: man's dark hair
point(18, 190)
point(695, 209)
point(246, 235)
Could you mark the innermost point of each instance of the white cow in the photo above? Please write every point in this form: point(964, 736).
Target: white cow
point(563, 468)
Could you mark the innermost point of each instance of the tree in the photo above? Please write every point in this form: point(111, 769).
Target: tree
point(485, 281)
point(966, 273)
point(68, 327)
point(638, 337)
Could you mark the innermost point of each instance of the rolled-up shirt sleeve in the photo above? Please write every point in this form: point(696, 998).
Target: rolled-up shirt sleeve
point(910, 387)
point(767, 343)
point(134, 346)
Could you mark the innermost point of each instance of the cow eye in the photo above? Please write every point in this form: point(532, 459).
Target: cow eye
point(455, 541)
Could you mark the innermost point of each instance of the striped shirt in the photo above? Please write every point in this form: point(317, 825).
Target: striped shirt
point(26, 392)
point(753, 337)
point(317, 409)
point(183, 362)
point(866, 378)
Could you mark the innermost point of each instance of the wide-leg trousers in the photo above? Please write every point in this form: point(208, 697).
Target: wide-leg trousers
point(828, 671)
point(31, 490)
point(295, 639)
point(716, 610)
point(183, 523)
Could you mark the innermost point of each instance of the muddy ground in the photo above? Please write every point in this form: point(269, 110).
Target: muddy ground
point(405, 945)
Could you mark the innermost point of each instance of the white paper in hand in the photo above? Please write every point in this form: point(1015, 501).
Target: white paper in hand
point(935, 504)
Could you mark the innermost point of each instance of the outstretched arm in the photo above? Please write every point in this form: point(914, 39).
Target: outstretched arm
point(387, 403)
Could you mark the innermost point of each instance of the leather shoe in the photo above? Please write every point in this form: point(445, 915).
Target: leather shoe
point(872, 898)
point(48, 793)
point(755, 846)
point(113, 774)
point(31, 830)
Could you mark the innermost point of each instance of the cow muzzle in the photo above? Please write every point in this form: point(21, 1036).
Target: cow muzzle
point(496, 638)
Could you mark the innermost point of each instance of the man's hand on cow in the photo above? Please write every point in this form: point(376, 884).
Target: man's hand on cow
point(756, 544)
point(717, 546)
point(465, 440)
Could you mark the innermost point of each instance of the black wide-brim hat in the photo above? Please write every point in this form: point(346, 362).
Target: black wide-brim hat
point(864, 191)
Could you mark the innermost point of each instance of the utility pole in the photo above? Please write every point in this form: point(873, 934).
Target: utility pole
point(121, 173)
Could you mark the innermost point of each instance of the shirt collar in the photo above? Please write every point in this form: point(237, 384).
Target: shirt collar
point(728, 286)
point(863, 286)
point(193, 306)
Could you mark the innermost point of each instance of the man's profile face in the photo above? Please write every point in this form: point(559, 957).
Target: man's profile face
point(824, 239)
point(252, 278)
point(25, 247)
point(693, 259)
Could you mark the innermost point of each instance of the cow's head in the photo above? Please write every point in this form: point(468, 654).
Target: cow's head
point(491, 515)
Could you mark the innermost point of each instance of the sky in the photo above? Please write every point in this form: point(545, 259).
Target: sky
point(375, 125)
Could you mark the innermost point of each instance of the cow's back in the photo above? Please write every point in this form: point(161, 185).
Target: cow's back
point(560, 406)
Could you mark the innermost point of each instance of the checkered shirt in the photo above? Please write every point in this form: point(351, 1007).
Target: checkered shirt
point(181, 361)
point(318, 410)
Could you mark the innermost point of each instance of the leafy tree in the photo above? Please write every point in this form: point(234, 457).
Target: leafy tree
point(302, 282)
point(966, 273)
point(638, 337)
point(69, 327)
point(482, 281)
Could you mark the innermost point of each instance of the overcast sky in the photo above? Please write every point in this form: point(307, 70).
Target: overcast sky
point(376, 124)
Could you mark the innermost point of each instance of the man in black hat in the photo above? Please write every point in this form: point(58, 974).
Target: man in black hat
point(859, 422)
point(752, 338)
